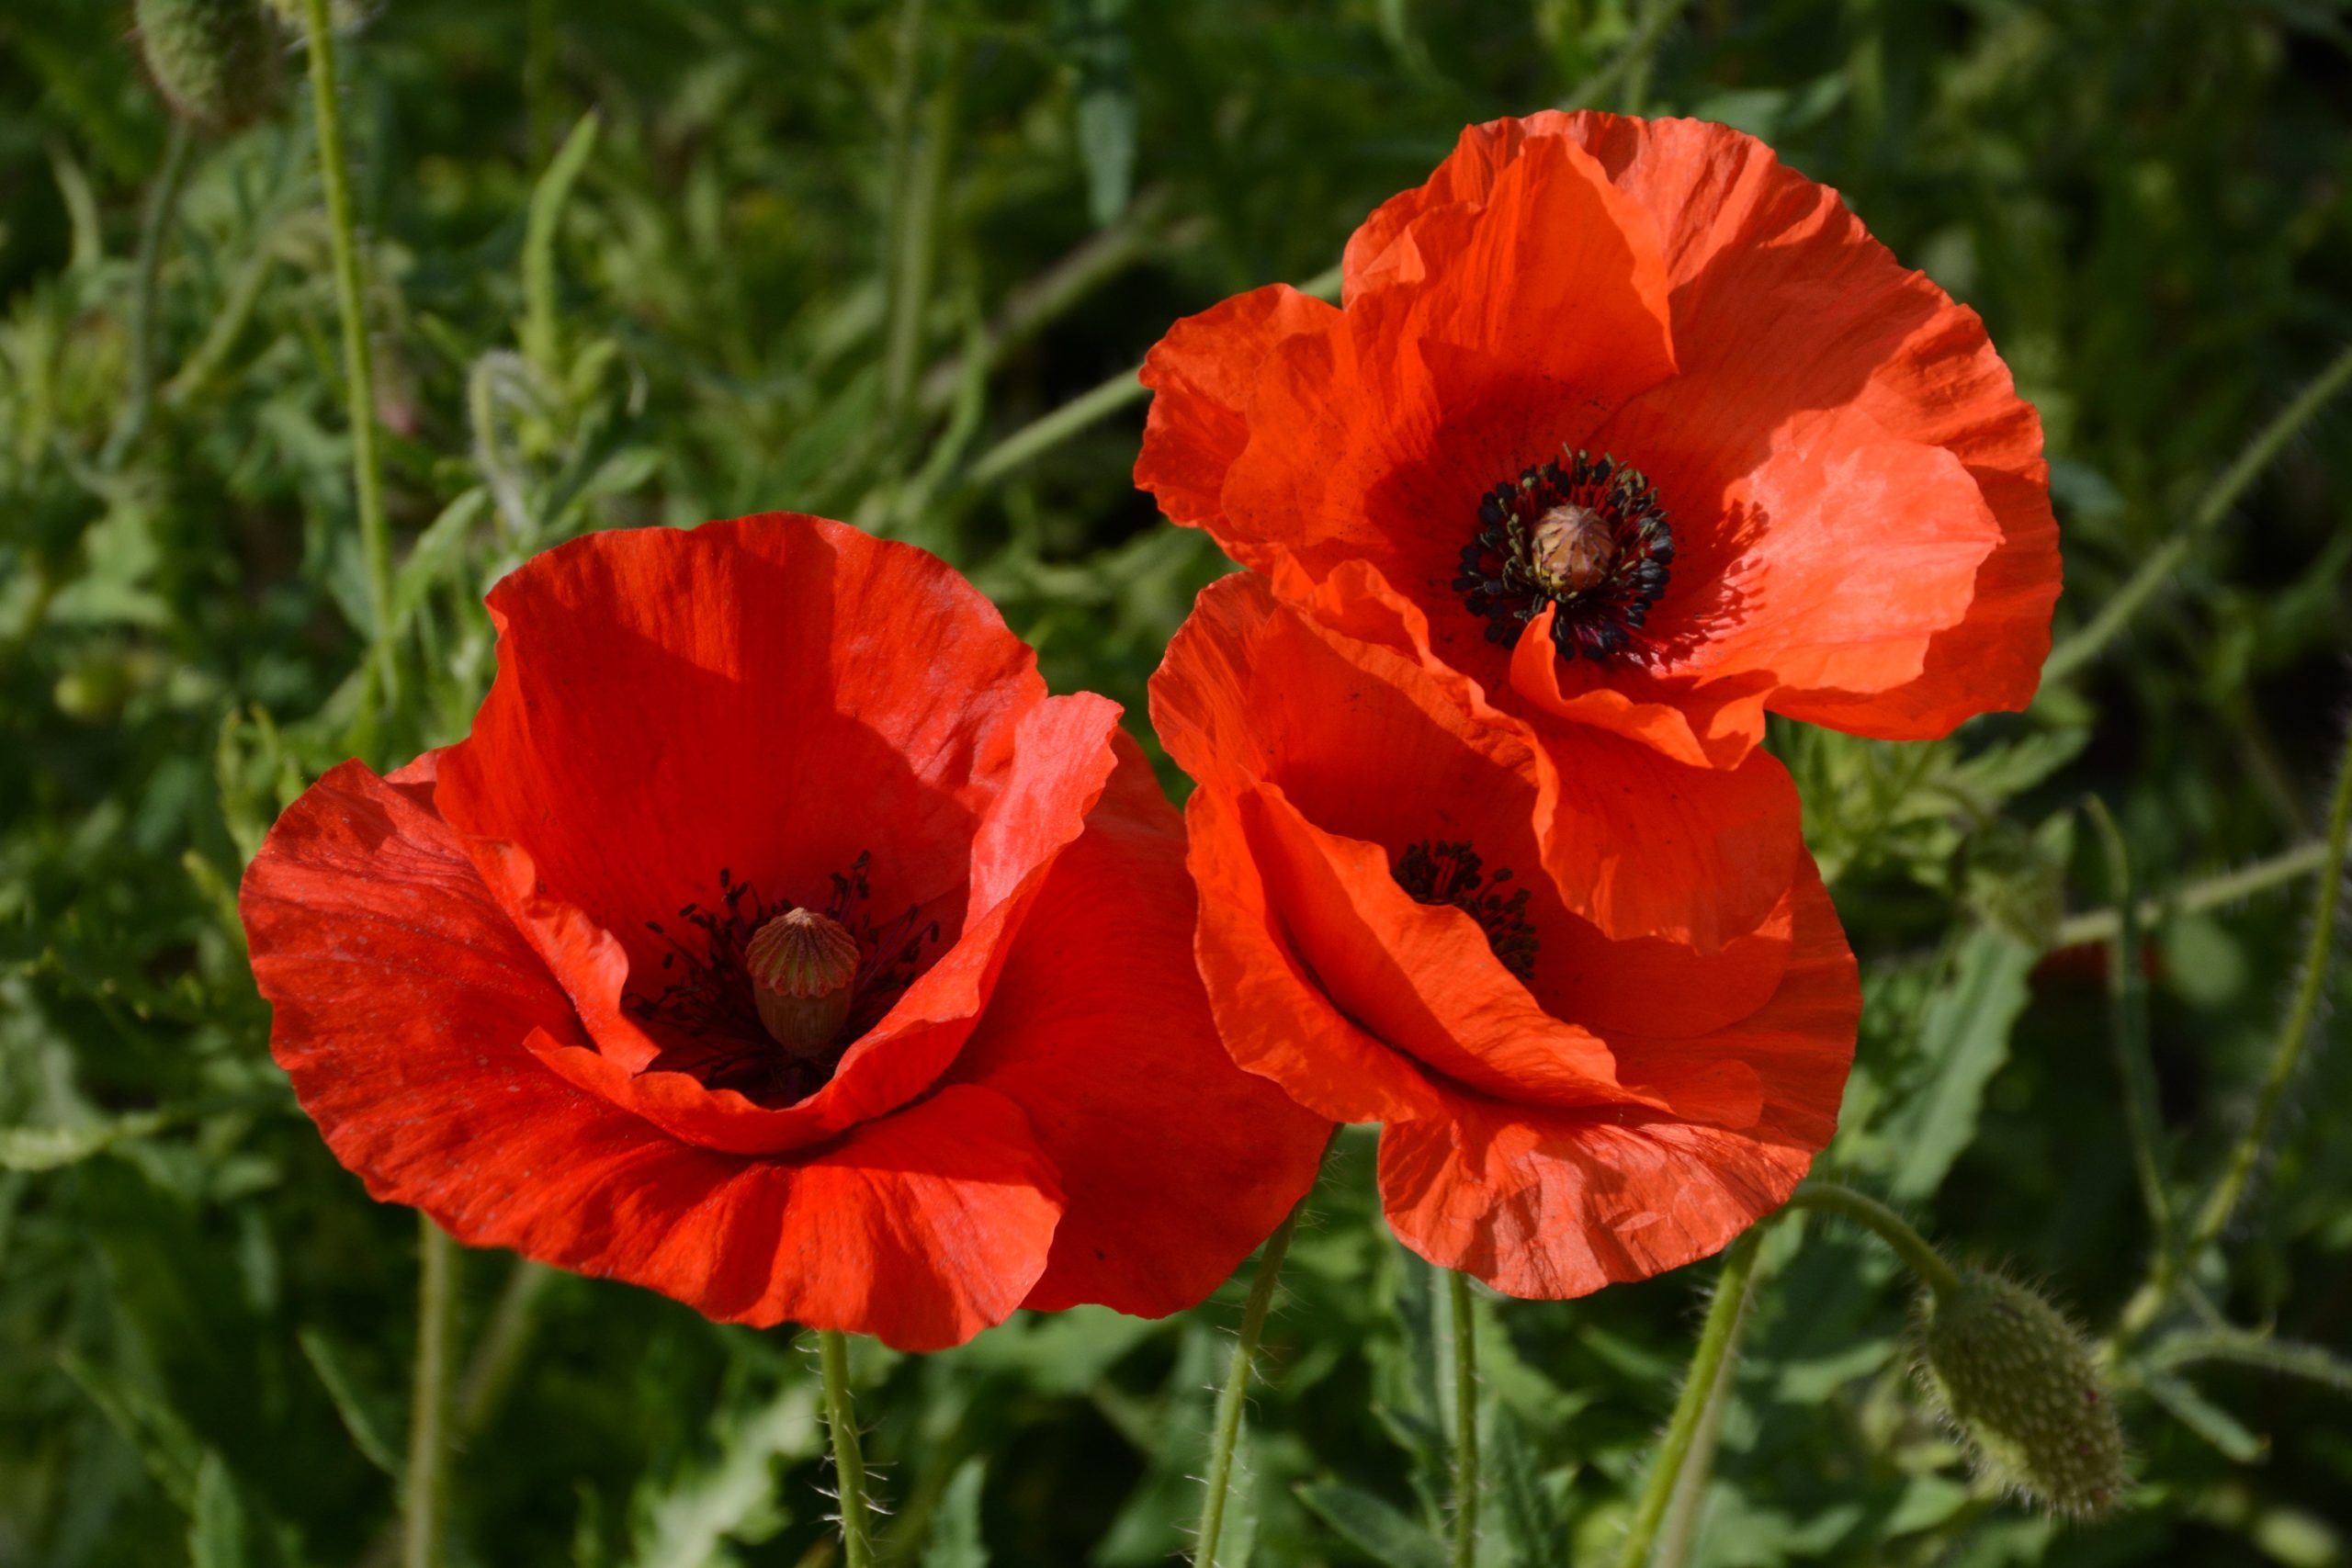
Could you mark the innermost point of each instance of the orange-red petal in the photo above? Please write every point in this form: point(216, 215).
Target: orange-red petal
point(411, 1017)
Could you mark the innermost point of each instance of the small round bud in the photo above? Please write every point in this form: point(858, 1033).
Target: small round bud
point(2023, 1387)
point(804, 976)
point(214, 60)
point(1574, 549)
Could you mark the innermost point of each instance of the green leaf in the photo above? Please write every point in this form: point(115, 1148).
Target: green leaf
point(1963, 1039)
point(2200, 1416)
point(1532, 1528)
point(685, 1519)
point(361, 1413)
point(51, 1149)
point(1389, 1536)
point(956, 1539)
point(216, 1525)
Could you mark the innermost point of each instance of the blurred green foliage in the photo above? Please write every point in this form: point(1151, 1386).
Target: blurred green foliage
point(641, 261)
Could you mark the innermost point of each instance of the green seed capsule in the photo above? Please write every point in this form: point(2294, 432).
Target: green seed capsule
point(2021, 1385)
point(215, 60)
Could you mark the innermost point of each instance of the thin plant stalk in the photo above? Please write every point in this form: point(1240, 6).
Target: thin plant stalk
point(2156, 570)
point(2291, 865)
point(154, 225)
point(2295, 1034)
point(1681, 1533)
point(849, 1457)
point(1466, 1421)
point(358, 357)
point(1828, 1198)
point(1227, 1433)
point(2129, 1010)
point(422, 1497)
point(1715, 1339)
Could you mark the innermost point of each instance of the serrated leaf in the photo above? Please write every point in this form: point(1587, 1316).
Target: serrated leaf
point(1386, 1533)
point(1963, 1039)
point(955, 1540)
point(1531, 1528)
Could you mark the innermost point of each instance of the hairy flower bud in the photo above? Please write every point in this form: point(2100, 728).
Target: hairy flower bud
point(215, 61)
point(2016, 1379)
point(804, 976)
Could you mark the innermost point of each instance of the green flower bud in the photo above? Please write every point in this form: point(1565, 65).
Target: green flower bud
point(215, 61)
point(2022, 1386)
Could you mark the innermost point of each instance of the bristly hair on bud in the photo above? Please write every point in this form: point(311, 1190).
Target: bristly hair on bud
point(2022, 1386)
point(214, 60)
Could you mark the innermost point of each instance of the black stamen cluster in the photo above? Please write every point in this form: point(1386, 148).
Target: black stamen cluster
point(1500, 578)
point(710, 1000)
point(1435, 872)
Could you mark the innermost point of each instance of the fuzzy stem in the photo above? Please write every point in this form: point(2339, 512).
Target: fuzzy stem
point(2155, 571)
point(2100, 925)
point(2214, 1217)
point(421, 1500)
point(1681, 1529)
point(1230, 1399)
point(1890, 1228)
point(849, 1459)
point(1697, 1388)
point(162, 201)
point(2129, 994)
point(358, 358)
point(1466, 1421)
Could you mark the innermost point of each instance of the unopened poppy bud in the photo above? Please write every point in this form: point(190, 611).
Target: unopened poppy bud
point(804, 976)
point(2022, 1386)
point(214, 60)
point(1573, 548)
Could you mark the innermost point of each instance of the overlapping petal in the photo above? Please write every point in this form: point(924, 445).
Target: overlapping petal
point(1614, 1105)
point(1860, 506)
point(461, 958)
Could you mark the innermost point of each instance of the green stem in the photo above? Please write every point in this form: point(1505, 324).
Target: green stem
point(1890, 1228)
point(2128, 992)
point(849, 1459)
point(162, 201)
point(2214, 1217)
point(1683, 1508)
point(1235, 1395)
point(2102, 925)
point(1714, 1351)
point(359, 360)
point(2157, 569)
point(1090, 408)
point(1466, 1421)
point(421, 1499)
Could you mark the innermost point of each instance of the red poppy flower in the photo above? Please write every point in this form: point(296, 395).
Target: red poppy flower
point(1648, 432)
point(1383, 934)
point(775, 941)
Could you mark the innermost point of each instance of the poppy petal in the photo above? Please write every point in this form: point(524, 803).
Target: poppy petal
point(411, 1016)
point(1101, 1032)
point(1271, 1013)
point(1202, 376)
point(1558, 1203)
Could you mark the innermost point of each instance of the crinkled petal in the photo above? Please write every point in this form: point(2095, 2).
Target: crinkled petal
point(1556, 1203)
point(1176, 1163)
point(413, 1017)
point(1202, 376)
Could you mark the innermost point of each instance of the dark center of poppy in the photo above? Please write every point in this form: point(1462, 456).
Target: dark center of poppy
point(1435, 872)
point(779, 990)
point(1585, 533)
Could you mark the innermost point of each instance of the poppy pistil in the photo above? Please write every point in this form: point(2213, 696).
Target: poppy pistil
point(1585, 533)
point(803, 977)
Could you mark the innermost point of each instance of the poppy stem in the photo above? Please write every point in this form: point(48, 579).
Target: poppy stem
point(1230, 1399)
point(359, 360)
point(849, 1459)
point(2294, 1034)
point(2157, 570)
point(1699, 1389)
point(1890, 1228)
point(1466, 1420)
point(420, 1497)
